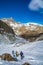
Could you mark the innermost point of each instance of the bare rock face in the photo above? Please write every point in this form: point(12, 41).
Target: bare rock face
point(7, 57)
point(32, 37)
point(5, 28)
point(26, 63)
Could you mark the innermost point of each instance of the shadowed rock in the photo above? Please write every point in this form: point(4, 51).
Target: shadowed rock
point(4, 27)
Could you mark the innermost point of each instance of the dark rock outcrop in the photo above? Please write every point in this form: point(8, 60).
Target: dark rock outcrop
point(5, 28)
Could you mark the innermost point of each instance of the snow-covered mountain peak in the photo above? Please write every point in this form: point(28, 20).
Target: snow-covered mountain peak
point(32, 23)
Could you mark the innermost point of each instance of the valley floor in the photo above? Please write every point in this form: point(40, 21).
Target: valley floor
point(33, 53)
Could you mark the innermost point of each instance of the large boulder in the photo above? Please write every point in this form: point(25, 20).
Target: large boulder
point(8, 57)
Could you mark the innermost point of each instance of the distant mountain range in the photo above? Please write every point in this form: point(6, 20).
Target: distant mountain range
point(29, 31)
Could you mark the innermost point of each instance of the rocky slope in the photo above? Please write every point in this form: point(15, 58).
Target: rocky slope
point(7, 34)
point(28, 31)
point(4, 27)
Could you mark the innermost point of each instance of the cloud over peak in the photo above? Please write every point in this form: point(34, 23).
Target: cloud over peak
point(36, 5)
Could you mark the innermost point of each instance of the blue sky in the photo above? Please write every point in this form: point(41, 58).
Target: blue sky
point(22, 10)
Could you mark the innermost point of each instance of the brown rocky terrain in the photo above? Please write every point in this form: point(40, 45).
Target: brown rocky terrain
point(7, 56)
point(29, 31)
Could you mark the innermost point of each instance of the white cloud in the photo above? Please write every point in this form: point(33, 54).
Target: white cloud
point(36, 5)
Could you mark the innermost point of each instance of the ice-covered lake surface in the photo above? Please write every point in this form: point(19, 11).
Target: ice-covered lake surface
point(33, 52)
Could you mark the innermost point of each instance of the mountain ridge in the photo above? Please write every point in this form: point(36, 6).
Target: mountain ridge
point(27, 30)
